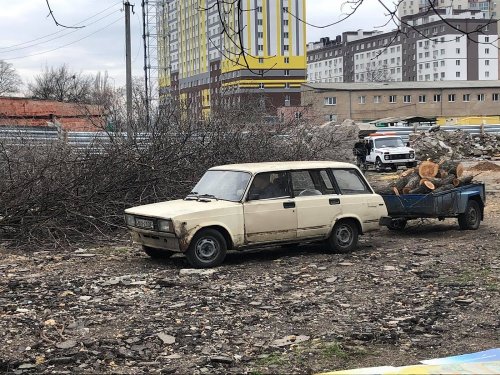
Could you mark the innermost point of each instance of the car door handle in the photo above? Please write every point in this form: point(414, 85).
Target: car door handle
point(288, 204)
point(334, 201)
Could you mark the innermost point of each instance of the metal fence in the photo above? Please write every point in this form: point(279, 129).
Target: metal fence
point(85, 140)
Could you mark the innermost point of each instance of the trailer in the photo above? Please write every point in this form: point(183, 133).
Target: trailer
point(466, 203)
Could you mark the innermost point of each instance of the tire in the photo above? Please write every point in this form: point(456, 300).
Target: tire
point(207, 249)
point(155, 253)
point(397, 224)
point(344, 237)
point(379, 166)
point(471, 218)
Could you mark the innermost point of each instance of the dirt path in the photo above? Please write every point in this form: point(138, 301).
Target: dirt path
point(428, 292)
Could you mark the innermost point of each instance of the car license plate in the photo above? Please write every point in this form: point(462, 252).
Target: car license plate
point(143, 223)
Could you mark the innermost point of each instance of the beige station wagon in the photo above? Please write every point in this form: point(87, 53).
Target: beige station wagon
point(240, 206)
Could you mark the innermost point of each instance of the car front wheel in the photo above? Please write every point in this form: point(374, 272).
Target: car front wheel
point(379, 166)
point(207, 249)
point(344, 236)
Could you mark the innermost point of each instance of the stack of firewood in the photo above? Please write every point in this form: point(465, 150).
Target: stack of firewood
point(428, 177)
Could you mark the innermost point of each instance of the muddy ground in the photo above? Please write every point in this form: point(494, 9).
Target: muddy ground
point(430, 291)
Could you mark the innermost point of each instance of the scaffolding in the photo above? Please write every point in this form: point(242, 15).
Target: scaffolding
point(152, 16)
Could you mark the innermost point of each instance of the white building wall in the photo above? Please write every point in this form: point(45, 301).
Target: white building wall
point(488, 57)
point(442, 59)
point(326, 71)
point(382, 64)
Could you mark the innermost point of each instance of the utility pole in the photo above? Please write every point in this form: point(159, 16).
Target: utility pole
point(128, 56)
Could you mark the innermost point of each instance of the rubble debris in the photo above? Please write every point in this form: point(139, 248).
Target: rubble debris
point(486, 166)
point(454, 144)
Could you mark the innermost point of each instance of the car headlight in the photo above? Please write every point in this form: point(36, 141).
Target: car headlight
point(165, 226)
point(412, 155)
point(386, 157)
point(130, 220)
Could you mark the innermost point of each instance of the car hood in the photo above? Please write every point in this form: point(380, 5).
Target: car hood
point(396, 150)
point(172, 209)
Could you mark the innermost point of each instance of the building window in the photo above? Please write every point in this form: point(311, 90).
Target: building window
point(285, 35)
point(486, 62)
point(407, 99)
point(437, 97)
point(486, 51)
point(331, 118)
point(376, 99)
point(480, 97)
point(285, 47)
point(287, 85)
point(261, 60)
point(451, 97)
point(487, 74)
point(457, 62)
point(362, 99)
point(422, 99)
point(392, 98)
point(458, 51)
point(332, 100)
point(466, 97)
point(286, 72)
point(457, 74)
point(494, 97)
point(287, 60)
point(261, 86)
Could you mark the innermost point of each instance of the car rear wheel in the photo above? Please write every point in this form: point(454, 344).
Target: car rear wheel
point(344, 236)
point(155, 253)
point(471, 218)
point(207, 249)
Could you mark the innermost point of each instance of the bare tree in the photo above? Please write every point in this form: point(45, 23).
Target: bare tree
point(10, 81)
point(62, 85)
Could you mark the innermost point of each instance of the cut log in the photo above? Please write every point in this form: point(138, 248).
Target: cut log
point(464, 180)
point(401, 182)
point(453, 167)
point(388, 190)
point(442, 174)
point(407, 172)
point(413, 182)
point(442, 181)
point(428, 169)
point(444, 188)
point(424, 187)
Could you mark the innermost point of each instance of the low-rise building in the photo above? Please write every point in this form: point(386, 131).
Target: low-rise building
point(366, 102)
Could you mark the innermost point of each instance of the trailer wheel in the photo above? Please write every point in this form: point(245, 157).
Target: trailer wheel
point(471, 218)
point(397, 224)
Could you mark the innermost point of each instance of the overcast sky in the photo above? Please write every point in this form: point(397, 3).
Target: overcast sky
point(31, 40)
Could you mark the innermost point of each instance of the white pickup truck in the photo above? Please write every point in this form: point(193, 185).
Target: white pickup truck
point(388, 151)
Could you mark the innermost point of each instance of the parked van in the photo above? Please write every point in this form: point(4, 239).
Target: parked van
point(241, 206)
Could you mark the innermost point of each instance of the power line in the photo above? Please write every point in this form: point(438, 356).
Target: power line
point(65, 45)
point(61, 31)
point(58, 37)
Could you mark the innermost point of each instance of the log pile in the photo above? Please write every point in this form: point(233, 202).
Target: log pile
point(428, 177)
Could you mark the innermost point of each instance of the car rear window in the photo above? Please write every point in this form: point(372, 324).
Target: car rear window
point(350, 182)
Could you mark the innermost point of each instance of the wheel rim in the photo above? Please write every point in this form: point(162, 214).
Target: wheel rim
point(344, 235)
point(472, 217)
point(378, 165)
point(207, 249)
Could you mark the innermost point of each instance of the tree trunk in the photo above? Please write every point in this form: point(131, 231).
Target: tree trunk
point(464, 180)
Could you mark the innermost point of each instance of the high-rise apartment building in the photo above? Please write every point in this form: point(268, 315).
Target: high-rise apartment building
point(213, 52)
point(411, 7)
point(424, 49)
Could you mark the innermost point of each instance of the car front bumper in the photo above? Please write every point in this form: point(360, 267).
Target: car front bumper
point(158, 240)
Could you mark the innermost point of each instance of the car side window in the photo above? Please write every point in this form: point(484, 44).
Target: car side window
point(350, 182)
point(269, 185)
point(311, 182)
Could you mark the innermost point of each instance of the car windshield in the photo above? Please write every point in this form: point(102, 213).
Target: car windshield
point(389, 142)
point(225, 185)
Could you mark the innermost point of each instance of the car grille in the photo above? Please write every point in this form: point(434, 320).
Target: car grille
point(399, 156)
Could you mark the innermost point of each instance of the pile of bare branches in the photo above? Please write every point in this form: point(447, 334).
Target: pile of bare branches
point(57, 194)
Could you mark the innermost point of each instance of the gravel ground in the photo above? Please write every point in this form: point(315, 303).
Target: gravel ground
point(430, 291)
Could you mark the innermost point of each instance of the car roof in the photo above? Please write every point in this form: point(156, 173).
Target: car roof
point(282, 166)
